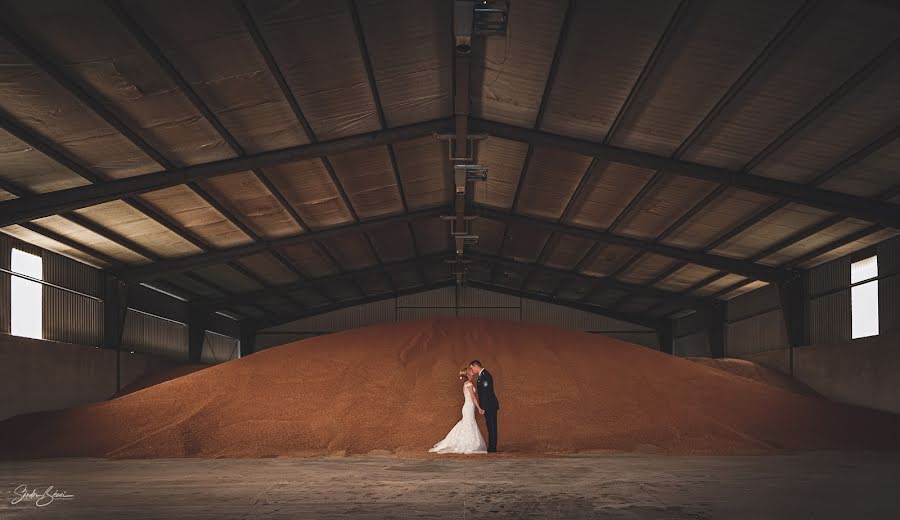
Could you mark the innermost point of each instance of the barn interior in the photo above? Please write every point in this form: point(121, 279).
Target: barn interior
point(247, 245)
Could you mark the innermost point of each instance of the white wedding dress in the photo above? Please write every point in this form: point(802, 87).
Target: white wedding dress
point(465, 437)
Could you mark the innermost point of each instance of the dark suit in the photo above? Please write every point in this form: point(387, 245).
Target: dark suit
point(487, 399)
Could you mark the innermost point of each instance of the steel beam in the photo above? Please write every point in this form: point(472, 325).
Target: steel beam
point(596, 281)
point(750, 269)
point(22, 210)
point(280, 319)
point(247, 297)
point(842, 203)
point(177, 265)
point(638, 319)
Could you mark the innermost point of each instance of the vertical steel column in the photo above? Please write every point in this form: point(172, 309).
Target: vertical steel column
point(666, 334)
point(795, 311)
point(115, 307)
point(716, 323)
point(248, 338)
point(197, 321)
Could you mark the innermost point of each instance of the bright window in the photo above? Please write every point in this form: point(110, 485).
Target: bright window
point(25, 295)
point(864, 297)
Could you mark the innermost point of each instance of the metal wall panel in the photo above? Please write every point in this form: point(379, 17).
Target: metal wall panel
point(474, 302)
point(152, 335)
point(218, 348)
point(566, 317)
point(71, 317)
point(417, 313)
point(443, 297)
point(273, 339)
point(759, 333)
point(829, 277)
point(829, 318)
point(754, 302)
point(347, 318)
point(65, 272)
point(692, 345)
point(647, 339)
point(476, 297)
point(494, 313)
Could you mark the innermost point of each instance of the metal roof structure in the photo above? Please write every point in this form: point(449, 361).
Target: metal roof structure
point(274, 159)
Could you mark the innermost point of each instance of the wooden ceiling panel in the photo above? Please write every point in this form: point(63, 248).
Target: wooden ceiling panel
point(834, 41)
point(608, 192)
point(33, 97)
point(81, 235)
point(869, 111)
point(128, 222)
point(309, 189)
point(523, 243)
point(317, 49)
point(220, 61)
point(409, 45)
point(190, 211)
point(663, 205)
point(607, 259)
point(432, 235)
point(393, 242)
point(26, 235)
point(646, 268)
point(726, 211)
point(870, 177)
point(310, 259)
point(504, 160)
point(550, 181)
point(424, 171)
point(268, 268)
point(97, 49)
point(368, 178)
point(247, 196)
point(721, 283)
point(567, 251)
point(228, 278)
point(772, 229)
point(25, 167)
point(490, 235)
point(606, 49)
point(682, 279)
point(350, 251)
point(820, 239)
point(706, 54)
point(510, 74)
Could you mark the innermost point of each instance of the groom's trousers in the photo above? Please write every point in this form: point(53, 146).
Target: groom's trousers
point(490, 420)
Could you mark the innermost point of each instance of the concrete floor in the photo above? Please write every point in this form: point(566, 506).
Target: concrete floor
point(811, 485)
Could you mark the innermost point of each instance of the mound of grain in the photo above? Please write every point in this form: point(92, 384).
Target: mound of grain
point(159, 376)
point(394, 387)
point(756, 372)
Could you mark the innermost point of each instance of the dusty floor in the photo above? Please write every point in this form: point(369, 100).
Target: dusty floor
point(811, 485)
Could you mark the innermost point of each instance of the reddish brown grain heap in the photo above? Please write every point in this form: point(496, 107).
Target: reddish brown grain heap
point(394, 387)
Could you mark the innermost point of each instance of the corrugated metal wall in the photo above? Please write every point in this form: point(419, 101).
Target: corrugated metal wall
point(450, 302)
point(756, 323)
point(154, 335)
point(218, 348)
point(692, 345)
point(73, 294)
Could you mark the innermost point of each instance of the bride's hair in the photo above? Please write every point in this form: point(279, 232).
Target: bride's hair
point(464, 375)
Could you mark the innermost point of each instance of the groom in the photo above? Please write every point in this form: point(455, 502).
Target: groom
point(487, 399)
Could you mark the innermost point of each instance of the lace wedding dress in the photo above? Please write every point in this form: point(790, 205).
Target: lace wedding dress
point(465, 437)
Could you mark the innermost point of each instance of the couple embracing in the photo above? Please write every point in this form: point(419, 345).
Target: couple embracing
point(478, 392)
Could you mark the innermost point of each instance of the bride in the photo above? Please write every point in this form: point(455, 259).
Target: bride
point(465, 437)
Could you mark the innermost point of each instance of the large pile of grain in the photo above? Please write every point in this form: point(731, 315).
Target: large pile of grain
point(756, 372)
point(394, 387)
